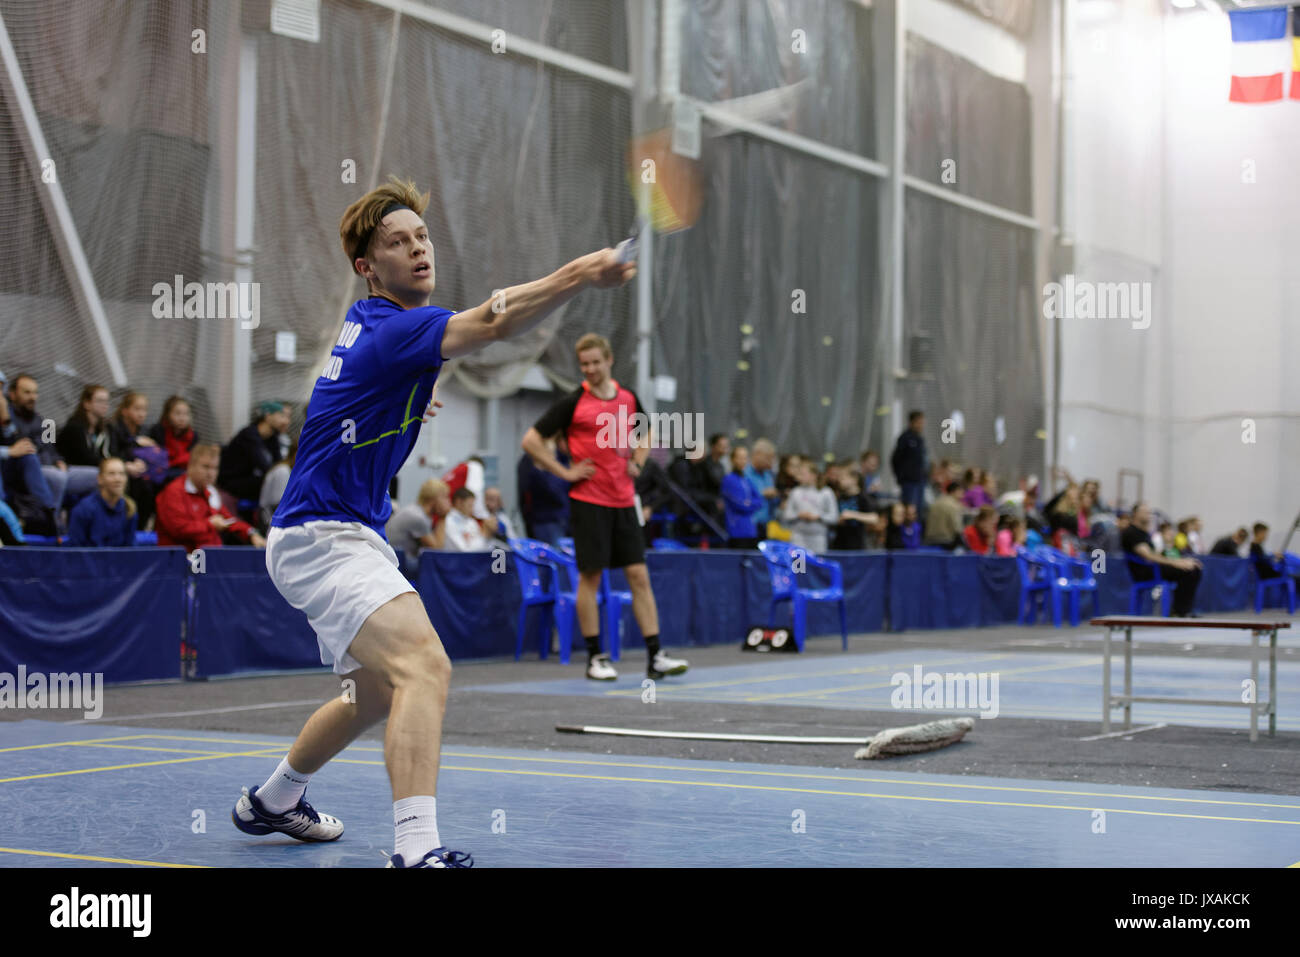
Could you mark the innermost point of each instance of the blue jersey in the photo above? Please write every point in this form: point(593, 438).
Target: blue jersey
point(364, 415)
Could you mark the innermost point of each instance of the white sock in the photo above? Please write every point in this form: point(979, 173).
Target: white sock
point(282, 789)
point(416, 822)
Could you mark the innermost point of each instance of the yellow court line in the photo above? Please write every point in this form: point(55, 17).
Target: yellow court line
point(145, 747)
point(837, 777)
point(263, 752)
point(792, 677)
point(60, 744)
point(195, 737)
point(91, 857)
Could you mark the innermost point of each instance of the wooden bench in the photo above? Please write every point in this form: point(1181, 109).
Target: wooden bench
point(1256, 627)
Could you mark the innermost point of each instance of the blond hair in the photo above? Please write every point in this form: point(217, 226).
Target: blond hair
point(362, 218)
point(593, 340)
point(130, 502)
point(432, 489)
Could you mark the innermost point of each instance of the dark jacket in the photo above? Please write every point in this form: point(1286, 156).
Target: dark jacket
point(79, 446)
point(652, 486)
point(543, 495)
point(93, 525)
point(30, 427)
point(910, 461)
point(245, 462)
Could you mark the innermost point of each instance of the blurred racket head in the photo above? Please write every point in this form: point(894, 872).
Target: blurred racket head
point(668, 189)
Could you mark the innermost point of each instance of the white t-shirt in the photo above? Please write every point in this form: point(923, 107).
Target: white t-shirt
point(463, 534)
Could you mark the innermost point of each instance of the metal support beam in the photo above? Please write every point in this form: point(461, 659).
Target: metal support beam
point(63, 230)
point(245, 212)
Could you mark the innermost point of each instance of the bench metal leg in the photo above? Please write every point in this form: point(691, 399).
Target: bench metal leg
point(1254, 684)
point(1272, 683)
point(1105, 682)
point(1128, 677)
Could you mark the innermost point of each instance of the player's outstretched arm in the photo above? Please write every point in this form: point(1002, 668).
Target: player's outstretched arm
point(519, 308)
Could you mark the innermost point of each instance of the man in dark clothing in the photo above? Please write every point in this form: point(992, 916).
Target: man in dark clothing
point(543, 498)
point(1230, 545)
point(1185, 573)
point(687, 472)
point(911, 462)
point(252, 452)
point(710, 471)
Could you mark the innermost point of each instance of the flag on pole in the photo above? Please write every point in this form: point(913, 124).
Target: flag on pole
point(1260, 49)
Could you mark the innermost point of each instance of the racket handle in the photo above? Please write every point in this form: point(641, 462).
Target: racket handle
point(626, 251)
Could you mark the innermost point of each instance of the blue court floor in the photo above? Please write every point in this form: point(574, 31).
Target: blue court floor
point(84, 795)
point(1030, 685)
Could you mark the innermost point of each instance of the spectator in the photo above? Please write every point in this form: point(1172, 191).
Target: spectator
point(11, 530)
point(464, 533)
point(858, 516)
point(1266, 566)
point(174, 435)
point(1012, 534)
point(974, 496)
point(911, 462)
point(808, 511)
point(1163, 540)
point(419, 525)
point(894, 530)
point(544, 497)
point(1063, 519)
point(497, 525)
point(1230, 545)
point(1181, 542)
point(709, 473)
point(981, 535)
point(106, 519)
point(125, 442)
point(685, 472)
point(1185, 573)
point(943, 524)
point(787, 476)
point(763, 478)
point(1195, 544)
point(36, 478)
point(742, 502)
point(190, 512)
point(870, 464)
point(941, 476)
point(655, 496)
point(273, 486)
point(469, 474)
point(252, 453)
point(913, 532)
point(84, 439)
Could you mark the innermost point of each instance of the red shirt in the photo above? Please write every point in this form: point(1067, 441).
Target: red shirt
point(598, 429)
point(183, 513)
point(975, 541)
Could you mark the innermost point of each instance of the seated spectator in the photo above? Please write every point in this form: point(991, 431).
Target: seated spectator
point(943, 524)
point(870, 466)
point(687, 473)
point(975, 496)
point(464, 533)
point(1012, 535)
point(469, 474)
point(544, 496)
point(741, 502)
point(1230, 545)
point(1063, 519)
point(273, 486)
point(106, 519)
point(710, 471)
point(809, 511)
point(174, 434)
point(36, 478)
point(912, 528)
point(894, 530)
point(252, 453)
point(989, 483)
point(860, 523)
point(656, 498)
point(1181, 542)
point(1185, 573)
point(1195, 544)
point(83, 442)
point(1163, 540)
point(1266, 566)
point(190, 512)
point(498, 524)
point(126, 440)
point(419, 525)
point(979, 536)
point(760, 474)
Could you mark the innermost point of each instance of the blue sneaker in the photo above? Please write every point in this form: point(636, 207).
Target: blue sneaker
point(438, 857)
point(302, 822)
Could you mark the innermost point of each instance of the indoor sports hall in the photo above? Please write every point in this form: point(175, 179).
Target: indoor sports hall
point(649, 434)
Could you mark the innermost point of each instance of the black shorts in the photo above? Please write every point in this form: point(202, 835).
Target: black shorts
point(605, 537)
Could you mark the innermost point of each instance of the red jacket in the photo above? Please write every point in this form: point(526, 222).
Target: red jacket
point(971, 538)
point(183, 514)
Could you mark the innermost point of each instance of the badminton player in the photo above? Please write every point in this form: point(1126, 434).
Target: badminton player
point(326, 551)
point(602, 507)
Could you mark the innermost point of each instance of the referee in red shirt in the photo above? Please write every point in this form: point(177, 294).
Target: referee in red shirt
point(602, 507)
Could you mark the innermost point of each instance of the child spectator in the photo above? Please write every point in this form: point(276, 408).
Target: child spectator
point(894, 530)
point(175, 436)
point(1195, 544)
point(980, 535)
point(1012, 534)
point(107, 518)
point(464, 533)
point(912, 530)
point(974, 495)
point(809, 511)
point(190, 512)
point(741, 500)
point(858, 517)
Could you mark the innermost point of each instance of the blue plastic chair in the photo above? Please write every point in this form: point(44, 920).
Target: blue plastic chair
point(1070, 577)
point(1137, 588)
point(781, 558)
point(1284, 583)
point(146, 538)
point(557, 604)
point(669, 545)
point(610, 601)
point(1035, 583)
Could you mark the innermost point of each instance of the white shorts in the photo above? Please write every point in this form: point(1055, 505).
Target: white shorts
point(339, 574)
